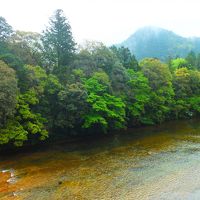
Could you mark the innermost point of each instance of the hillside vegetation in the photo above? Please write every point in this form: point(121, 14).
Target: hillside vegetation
point(49, 86)
point(160, 43)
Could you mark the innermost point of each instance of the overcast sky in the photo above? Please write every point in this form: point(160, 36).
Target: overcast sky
point(109, 21)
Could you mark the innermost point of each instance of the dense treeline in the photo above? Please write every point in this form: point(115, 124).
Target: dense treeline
point(48, 85)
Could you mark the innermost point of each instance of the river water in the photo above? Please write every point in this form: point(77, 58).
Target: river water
point(160, 162)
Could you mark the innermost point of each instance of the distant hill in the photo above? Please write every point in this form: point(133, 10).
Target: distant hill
point(160, 43)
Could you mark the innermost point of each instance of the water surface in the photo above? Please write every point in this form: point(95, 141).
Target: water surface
point(151, 163)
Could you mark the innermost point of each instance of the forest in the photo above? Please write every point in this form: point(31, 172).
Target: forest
point(51, 86)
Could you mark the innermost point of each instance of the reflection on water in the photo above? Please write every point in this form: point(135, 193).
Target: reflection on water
point(149, 163)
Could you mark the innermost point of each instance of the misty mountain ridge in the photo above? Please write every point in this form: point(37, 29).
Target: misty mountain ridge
point(157, 42)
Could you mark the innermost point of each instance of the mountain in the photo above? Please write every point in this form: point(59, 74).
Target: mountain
point(160, 43)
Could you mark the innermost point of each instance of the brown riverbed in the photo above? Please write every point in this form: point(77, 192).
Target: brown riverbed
point(151, 163)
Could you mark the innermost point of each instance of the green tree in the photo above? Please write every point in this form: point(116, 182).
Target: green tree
point(26, 46)
point(72, 106)
point(191, 60)
point(33, 77)
point(105, 59)
point(49, 101)
point(137, 98)
point(198, 61)
point(160, 81)
point(6, 53)
point(25, 123)
point(58, 43)
point(186, 85)
point(181, 83)
point(5, 30)
point(8, 92)
point(5, 34)
point(178, 63)
point(85, 62)
point(126, 58)
point(195, 82)
point(105, 110)
point(119, 78)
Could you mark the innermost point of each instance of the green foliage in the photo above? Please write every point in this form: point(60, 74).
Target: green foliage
point(102, 78)
point(195, 104)
point(72, 106)
point(12, 61)
point(95, 89)
point(105, 59)
point(119, 78)
point(138, 96)
point(181, 83)
point(58, 43)
point(126, 58)
point(186, 84)
point(198, 61)
point(32, 122)
point(8, 92)
point(26, 46)
point(25, 122)
point(104, 110)
point(195, 82)
point(180, 109)
point(191, 60)
point(157, 73)
point(33, 77)
point(178, 63)
point(5, 30)
point(160, 81)
point(15, 132)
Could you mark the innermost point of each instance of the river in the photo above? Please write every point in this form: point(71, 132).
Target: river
point(151, 163)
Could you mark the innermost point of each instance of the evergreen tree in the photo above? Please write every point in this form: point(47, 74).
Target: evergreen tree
point(5, 30)
point(58, 43)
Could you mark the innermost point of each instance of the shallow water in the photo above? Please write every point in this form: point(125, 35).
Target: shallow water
point(151, 163)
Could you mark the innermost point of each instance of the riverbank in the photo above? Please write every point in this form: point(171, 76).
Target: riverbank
point(85, 138)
